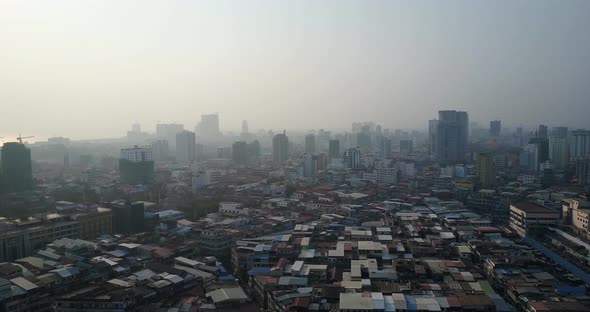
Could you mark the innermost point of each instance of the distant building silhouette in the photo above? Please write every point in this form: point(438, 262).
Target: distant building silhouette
point(185, 147)
point(17, 172)
point(280, 148)
point(451, 136)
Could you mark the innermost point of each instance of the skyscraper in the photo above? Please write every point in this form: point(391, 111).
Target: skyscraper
point(245, 127)
point(208, 127)
point(160, 150)
point(558, 152)
point(363, 139)
point(240, 153)
point(432, 128)
point(484, 165)
point(495, 128)
point(352, 158)
point(334, 149)
point(322, 161)
point(254, 150)
point(559, 131)
point(583, 171)
point(17, 172)
point(185, 147)
point(451, 136)
point(543, 148)
point(529, 157)
point(280, 148)
point(310, 165)
point(385, 148)
point(542, 132)
point(310, 143)
point(168, 132)
point(405, 147)
point(579, 144)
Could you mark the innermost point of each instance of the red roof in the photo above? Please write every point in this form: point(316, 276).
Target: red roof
point(488, 229)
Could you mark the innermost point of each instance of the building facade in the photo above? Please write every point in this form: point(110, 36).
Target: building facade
point(16, 168)
point(185, 147)
point(451, 136)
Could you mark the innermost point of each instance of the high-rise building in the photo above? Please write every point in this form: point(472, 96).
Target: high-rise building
point(245, 127)
point(484, 165)
point(542, 132)
point(136, 165)
point(451, 136)
point(240, 153)
point(17, 172)
point(254, 150)
point(310, 143)
point(208, 127)
point(185, 147)
point(168, 132)
point(199, 151)
point(310, 165)
point(322, 161)
point(363, 139)
point(160, 150)
point(579, 144)
point(280, 148)
point(559, 131)
point(432, 128)
point(495, 128)
point(529, 157)
point(385, 148)
point(583, 171)
point(334, 149)
point(558, 152)
point(352, 158)
point(543, 148)
point(405, 147)
point(322, 140)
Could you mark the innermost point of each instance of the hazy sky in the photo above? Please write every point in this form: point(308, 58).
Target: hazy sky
point(87, 69)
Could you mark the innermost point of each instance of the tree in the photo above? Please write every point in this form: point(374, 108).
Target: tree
point(201, 206)
point(289, 190)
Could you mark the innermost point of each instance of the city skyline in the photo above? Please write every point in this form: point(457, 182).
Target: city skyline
point(289, 65)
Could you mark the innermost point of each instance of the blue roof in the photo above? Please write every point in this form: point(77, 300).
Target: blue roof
point(228, 277)
point(262, 256)
point(411, 303)
point(572, 290)
point(258, 271)
point(221, 269)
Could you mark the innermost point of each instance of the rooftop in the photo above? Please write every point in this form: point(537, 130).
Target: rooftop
point(530, 207)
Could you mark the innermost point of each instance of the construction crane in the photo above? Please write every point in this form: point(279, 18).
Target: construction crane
point(20, 138)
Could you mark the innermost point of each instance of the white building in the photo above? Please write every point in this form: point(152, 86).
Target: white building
point(137, 153)
point(528, 179)
point(231, 208)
